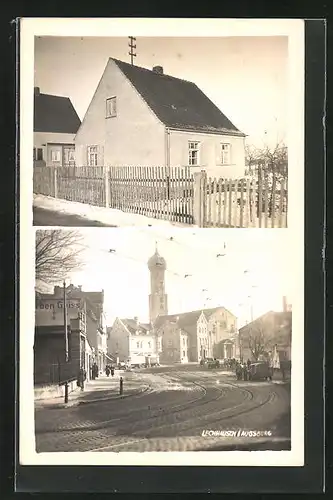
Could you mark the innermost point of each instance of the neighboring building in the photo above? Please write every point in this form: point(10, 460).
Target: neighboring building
point(142, 117)
point(128, 339)
point(269, 332)
point(174, 342)
point(209, 332)
point(80, 304)
point(50, 365)
point(55, 125)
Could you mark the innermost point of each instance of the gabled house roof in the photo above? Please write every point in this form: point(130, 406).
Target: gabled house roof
point(178, 103)
point(55, 114)
point(279, 316)
point(188, 319)
point(132, 326)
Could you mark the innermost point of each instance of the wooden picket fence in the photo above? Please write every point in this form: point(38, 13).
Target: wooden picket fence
point(153, 191)
point(244, 203)
point(80, 184)
point(174, 194)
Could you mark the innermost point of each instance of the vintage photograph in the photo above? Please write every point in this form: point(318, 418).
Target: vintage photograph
point(159, 340)
point(190, 130)
point(161, 313)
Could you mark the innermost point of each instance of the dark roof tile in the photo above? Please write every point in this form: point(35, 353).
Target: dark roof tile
point(177, 103)
point(55, 114)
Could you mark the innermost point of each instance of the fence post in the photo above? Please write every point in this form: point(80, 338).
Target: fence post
point(107, 185)
point(199, 198)
point(55, 179)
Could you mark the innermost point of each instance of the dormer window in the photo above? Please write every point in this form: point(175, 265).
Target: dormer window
point(111, 107)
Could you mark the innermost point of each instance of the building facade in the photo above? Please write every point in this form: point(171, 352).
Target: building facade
point(55, 125)
point(59, 353)
point(132, 341)
point(84, 314)
point(270, 332)
point(142, 117)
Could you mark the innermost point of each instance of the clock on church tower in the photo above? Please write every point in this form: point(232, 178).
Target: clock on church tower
point(157, 298)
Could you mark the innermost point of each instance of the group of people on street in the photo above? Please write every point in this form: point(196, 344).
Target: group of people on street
point(109, 369)
point(242, 370)
point(229, 363)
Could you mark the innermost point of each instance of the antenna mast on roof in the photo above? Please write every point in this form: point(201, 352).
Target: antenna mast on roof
point(132, 46)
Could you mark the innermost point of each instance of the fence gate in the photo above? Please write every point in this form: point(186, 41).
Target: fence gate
point(158, 192)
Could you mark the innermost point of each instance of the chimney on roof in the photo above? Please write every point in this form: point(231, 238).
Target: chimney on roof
point(136, 320)
point(36, 90)
point(158, 69)
point(284, 304)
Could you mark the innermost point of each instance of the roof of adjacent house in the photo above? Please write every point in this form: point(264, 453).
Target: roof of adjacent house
point(55, 114)
point(278, 315)
point(186, 320)
point(178, 103)
point(133, 326)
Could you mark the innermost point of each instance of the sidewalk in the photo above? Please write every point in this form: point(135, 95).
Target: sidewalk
point(101, 389)
point(108, 216)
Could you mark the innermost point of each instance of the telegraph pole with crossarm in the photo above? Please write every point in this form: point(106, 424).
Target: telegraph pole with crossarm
point(132, 46)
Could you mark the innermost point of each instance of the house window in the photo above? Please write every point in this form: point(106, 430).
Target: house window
point(225, 154)
point(183, 354)
point(169, 343)
point(223, 324)
point(55, 155)
point(184, 341)
point(38, 154)
point(111, 107)
point(138, 345)
point(193, 153)
point(92, 156)
point(149, 345)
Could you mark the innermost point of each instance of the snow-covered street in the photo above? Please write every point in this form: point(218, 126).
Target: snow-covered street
point(85, 215)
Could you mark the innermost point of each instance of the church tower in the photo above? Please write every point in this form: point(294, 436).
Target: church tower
point(158, 300)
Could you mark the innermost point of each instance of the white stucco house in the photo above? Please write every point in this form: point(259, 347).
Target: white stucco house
point(143, 117)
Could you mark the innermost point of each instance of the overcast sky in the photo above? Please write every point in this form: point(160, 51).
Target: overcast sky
point(125, 277)
point(246, 77)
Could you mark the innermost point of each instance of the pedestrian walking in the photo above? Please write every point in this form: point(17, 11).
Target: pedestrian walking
point(245, 372)
point(112, 371)
point(107, 370)
point(238, 371)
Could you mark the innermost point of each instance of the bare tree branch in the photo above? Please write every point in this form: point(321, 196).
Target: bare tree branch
point(258, 340)
point(57, 254)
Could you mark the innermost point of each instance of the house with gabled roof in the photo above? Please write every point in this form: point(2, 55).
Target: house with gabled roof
point(129, 339)
point(55, 125)
point(143, 117)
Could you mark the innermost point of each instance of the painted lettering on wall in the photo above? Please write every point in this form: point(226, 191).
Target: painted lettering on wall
point(51, 311)
point(59, 304)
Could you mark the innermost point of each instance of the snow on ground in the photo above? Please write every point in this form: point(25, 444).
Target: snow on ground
point(109, 216)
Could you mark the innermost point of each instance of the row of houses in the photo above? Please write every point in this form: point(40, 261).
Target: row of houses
point(84, 342)
point(139, 117)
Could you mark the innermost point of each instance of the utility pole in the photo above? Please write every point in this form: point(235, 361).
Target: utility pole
point(66, 339)
point(132, 46)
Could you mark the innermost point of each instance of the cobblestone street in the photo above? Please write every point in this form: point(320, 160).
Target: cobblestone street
point(167, 410)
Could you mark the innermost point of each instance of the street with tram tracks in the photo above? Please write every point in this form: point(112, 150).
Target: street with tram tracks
point(173, 409)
